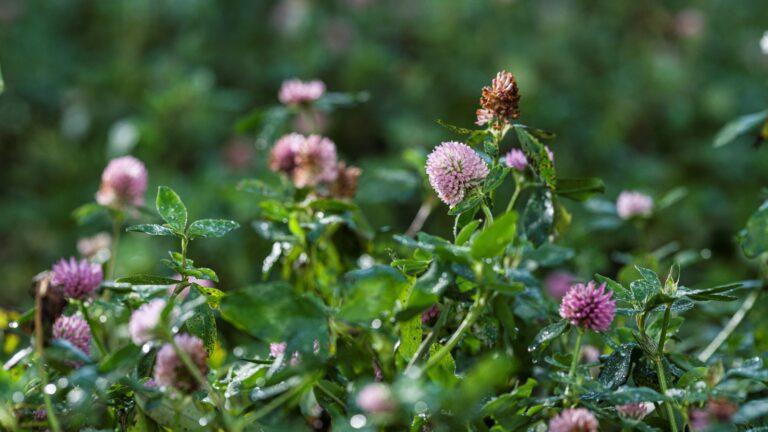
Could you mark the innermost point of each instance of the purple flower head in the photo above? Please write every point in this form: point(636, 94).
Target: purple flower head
point(516, 159)
point(75, 330)
point(376, 398)
point(295, 91)
point(309, 161)
point(430, 315)
point(170, 370)
point(633, 203)
point(76, 279)
point(588, 306)
point(453, 168)
point(123, 182)
point(144, 321)
point(574, 420)
point(699, 419)
point(558, 282)
point(283, 155)
point(315, 162)
point(635, 411)
point(276, 349)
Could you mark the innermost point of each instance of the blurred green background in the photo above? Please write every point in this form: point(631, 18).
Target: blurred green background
point(634, 90)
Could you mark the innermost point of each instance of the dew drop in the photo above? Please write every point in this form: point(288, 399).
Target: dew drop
point(50, 389)
point(13, 325)
point(358, 421)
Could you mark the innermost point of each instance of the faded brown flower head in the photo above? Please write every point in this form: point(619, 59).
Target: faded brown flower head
point(345, 185)
point(502, 97)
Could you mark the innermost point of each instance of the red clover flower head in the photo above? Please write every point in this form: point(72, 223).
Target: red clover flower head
point(170, 370)
point(144, 321)
point(376, 398)
point(453, 168)
point(588, 306)
point(308, 161)
point(123, 182)
point(516, 159)
point(76, 279)
point(502, 98)
point(633, 203)
point(635, 411)
point(283, 155)
point(295, 91)
point(75, 330)
point(574, 420)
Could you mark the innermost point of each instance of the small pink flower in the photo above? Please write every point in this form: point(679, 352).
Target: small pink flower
point(454, 168)
point(170, 370)
point(574, 420)
point(295, 91)
point(276, 349)
point(590, 353)
point(516, 159)
point(430, 315)
point(309, 161)
point(558, 283)
point(632, 203)
point(283, 155)
point(589, 306)
point(484, 116)
point(144, 321)
point(635, 411)
point(123, 182)
point(76, 279)
point(75, 330)
point(376, 398)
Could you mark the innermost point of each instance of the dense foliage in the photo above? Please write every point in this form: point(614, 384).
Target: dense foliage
point(355, 328)
point(586, 251)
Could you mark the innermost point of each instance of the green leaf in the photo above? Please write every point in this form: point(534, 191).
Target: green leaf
point(444, 371)
point(579, 189)
point(466, 232)
point(495, 178)
point(625, 395)
point(202, 323)
point(86, 212)
point(539, 216)
point(147, 280)
point(410, 337)
point(754, 238)
point(751, 411)
point(370, 292)
point(469, 203)
point(2, 82)
point(260, 188)
point(547, 334)
point(492, 241)
point(615, 370)
point(455, 129)
point(273, 313)
point(536, 152)
point(151, 229)
point(264, 121)
point(126, 356)
point(332, 205)
point(211, 228)
point(739, 127)
point(171, 209)
point(426, 291)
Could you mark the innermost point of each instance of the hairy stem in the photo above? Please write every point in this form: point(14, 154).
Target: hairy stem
point(515, 194)
point(95, 334)
point(730, 327)
point(117, 225)
point(472, 316)
point(574, 360)
point(488, 215)
point(660, 369)
point(53, 421)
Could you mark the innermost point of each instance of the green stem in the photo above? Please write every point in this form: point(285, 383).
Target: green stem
point(472, 316)
point(665, 324)
point(663, 385)
point(202, 381)
point(488, 215)
point(660, 369)
point(515, 194)
point(574, 360)
point(117, 225)
point(53, 421)
point(424, 347)
point(94, 329)
point(279, 400)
